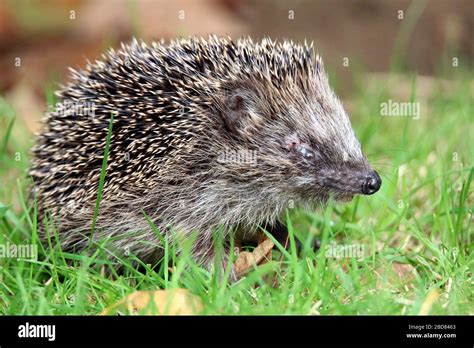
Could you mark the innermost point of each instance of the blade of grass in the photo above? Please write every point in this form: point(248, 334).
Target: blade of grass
point(102, 176)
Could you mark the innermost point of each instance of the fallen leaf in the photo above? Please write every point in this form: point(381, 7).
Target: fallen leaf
point(246, 260)
point(155, 302)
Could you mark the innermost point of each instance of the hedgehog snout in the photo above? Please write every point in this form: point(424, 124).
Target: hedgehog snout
point(371, 183)
point(348, 182)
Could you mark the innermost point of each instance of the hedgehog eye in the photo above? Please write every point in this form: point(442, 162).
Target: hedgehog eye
point(304, 152)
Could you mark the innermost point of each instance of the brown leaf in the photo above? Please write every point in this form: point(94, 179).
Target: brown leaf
point(246, 260)
point(153, 302)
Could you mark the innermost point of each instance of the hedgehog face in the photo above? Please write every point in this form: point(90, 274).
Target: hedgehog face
point(327, 152)
point(307, 146)
point(325, 171)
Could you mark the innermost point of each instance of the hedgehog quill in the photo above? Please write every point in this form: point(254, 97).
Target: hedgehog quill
point(208, 135)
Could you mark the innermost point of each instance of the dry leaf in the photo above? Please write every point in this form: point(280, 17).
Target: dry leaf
point(246, 260)
point(153, 302)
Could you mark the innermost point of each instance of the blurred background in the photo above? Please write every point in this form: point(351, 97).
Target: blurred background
point(40, 39)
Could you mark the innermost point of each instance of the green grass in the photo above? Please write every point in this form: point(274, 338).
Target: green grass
point(420, 223)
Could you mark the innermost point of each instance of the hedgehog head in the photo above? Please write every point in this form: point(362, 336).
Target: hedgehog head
point(288, 134)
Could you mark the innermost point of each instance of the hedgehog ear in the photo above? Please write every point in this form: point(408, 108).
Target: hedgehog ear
point(235, 110)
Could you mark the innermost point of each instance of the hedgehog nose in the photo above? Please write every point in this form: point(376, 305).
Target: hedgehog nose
point(371, 183)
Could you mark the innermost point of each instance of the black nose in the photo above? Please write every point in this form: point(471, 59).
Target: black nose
point(372, 183)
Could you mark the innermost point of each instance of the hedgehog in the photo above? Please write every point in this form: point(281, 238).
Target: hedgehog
point(208, 135)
